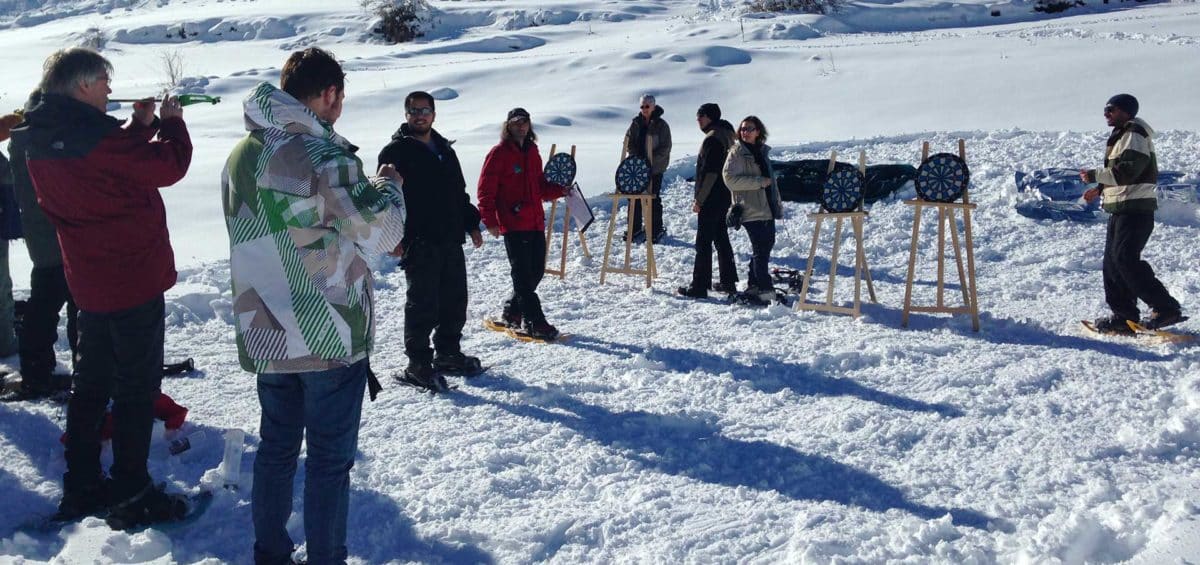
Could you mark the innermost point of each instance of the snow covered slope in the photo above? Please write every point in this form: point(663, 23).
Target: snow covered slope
point(668, 430)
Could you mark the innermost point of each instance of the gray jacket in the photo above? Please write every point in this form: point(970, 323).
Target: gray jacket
point(744, 179)
point(41, 239)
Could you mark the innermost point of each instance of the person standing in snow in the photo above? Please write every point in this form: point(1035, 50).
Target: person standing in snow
point(440, 218)
point(512, 187)
point(649, 137)
point(302, 216)
point(1126, 189)
point(711, 204)
point(10, 229)
point(98, 182)
point(48, 290)
point(748, 175)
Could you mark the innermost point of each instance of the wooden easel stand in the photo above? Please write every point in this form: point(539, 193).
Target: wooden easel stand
point(561, 271)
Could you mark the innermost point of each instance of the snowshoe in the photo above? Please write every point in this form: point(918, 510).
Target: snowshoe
point(1111, 325)
point(1159, 320)
point(458, 364)
point(541, 331)
point(422, 376)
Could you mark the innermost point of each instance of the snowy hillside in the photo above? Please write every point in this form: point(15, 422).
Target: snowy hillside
point(668, 430)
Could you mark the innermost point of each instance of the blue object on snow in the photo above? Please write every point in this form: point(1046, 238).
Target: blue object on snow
point(1058, 211)
point(1054, 183)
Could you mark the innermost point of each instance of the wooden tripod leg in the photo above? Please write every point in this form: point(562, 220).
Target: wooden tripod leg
point(833, 261)
point(912, 264)
point(629, 231)
point(583, 244)
point(862, 256)
point(566, 238)
point(550, 229)
point(648, 222)
point(612, 224)
point(941, 258)
point(971, 269)
point(808, 271)
point(962, 279)
point(855, 232)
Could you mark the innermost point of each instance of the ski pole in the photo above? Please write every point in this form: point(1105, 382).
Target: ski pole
point(184, 99)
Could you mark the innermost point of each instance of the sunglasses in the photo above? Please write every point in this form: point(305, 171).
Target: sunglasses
point(646, 106)
point(1110, 110)
point(519, 120)
point(422, 111)
point(747, 128)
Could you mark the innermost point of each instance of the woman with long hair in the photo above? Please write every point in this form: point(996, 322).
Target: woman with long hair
point(512, 187)
point(756, 201)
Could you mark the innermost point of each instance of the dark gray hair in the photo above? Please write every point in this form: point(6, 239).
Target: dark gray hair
point(66, 69)
point(648, 98)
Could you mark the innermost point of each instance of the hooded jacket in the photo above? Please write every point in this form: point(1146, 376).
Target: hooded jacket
point(98, 182)
point(41, 239)
point(435, 192)
point(1130, 170)
point(302, 214)
point(512, 187)
point(710, 184)
point(744, 176)
point(650, 141)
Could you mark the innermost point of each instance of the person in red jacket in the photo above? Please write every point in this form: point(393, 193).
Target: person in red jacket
point(512, 187)
point(97, 179)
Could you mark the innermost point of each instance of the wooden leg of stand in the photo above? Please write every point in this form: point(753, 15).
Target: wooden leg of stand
point(833, 261)
point(629, 231)
point(566, 240)
point(648, 222)
point(971, 270)
point(612, 224)
point(862, 256)
point(962, 279)
point(583, 244)
point(812, 255)
point(912, 265)
point(856, 232)
point(941, 258)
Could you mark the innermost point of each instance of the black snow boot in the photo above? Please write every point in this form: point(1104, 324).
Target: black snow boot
point(150, 506)
point(422, 375)
point(1114, 325)
point(1159, 320)
point(457, 364)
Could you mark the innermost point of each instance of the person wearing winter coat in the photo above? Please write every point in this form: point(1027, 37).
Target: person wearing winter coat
point(649, 137)
point(440, 216)
point(98, 181)
point(303, 216)
point(1126, 189)
point(10, 229)
point(48, 291)
point(711, 204)
point(512, 187)
point(756, 200)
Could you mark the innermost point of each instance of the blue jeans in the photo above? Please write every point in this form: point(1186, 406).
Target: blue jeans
point(327, 405)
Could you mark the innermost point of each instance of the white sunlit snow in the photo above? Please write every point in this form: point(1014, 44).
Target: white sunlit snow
point(667, 430)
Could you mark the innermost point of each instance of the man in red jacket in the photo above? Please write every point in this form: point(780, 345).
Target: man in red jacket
point(512, 187)
point(97, 179)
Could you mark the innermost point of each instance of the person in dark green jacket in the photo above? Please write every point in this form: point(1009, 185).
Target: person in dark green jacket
point(1126, 188)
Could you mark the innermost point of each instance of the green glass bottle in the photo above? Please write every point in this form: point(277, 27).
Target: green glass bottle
point(189, 99)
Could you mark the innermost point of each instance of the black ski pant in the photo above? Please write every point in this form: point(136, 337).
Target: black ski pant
point(436, 301)
point(656, 209)
point(762, 240)
point(527, 260)
point(711, 232)
point(48, 293)
point(1126, 276)
point(120, 357)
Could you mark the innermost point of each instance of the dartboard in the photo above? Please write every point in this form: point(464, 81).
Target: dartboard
point(942, 178)
point(633, 176)
point(843, 190)
point(560, 169)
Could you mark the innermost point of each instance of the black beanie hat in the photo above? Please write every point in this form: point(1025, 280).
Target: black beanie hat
point(517, 113)
point(709, 110)
point(1125, 102)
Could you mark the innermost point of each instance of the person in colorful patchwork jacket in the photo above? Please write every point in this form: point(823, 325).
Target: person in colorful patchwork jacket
point(1126, 189)
point(302, 216)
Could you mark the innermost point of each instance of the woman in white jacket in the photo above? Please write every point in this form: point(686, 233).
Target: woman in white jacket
point(748, 175)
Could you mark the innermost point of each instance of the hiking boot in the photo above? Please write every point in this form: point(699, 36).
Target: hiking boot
point(638, 236)
point(542, 330)
point(1159, 320)
point(150, 506)
point(511, 319)
point(457, 364)
point(1115, 325)
point(727, 288)
point(691, 292)
point(422, 375)
point(79, 503)
point(659, 235)
point(54, 387)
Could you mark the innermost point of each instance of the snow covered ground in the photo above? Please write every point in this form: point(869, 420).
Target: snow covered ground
point(667, 430)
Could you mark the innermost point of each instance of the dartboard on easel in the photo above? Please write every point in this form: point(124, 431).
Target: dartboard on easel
point(943, 177)
point(633, 175)
point(843, 189)
point(560, 169)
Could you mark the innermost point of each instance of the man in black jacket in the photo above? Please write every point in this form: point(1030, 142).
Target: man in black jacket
point(440, 215)
point(649, 137)
point(712, 200)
